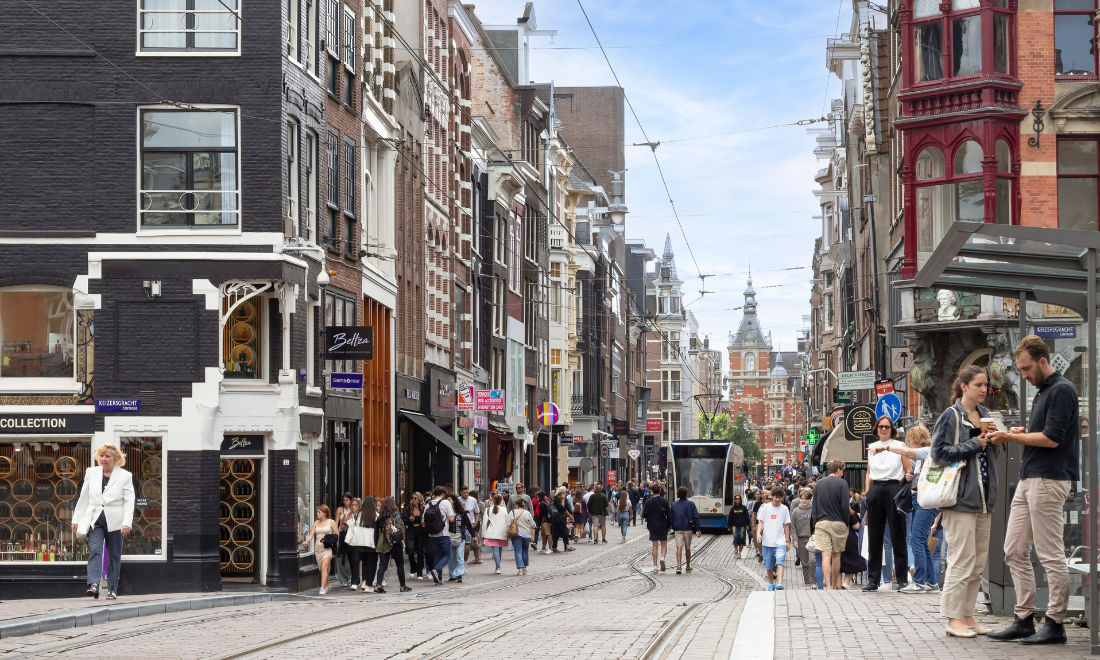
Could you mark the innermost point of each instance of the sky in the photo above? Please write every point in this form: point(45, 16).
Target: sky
point(696, 68)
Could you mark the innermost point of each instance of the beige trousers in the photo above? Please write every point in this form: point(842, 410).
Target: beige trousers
point(967, 551)
point(1036, 518)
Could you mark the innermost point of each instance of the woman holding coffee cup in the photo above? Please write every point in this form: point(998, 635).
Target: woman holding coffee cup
point(961, 434)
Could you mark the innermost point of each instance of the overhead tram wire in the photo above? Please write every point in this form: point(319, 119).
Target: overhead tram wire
point(652, 145)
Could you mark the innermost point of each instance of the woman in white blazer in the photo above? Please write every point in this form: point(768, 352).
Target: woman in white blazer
point(105, 512)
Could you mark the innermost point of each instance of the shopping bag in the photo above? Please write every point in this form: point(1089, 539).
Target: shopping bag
point(938, 486)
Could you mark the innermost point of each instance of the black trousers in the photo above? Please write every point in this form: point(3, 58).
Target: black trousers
point(398, 558)
point(880, 510)
point(415, 548)
point(368, 557)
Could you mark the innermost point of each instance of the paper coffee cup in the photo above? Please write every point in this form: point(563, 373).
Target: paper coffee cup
point(985, 422)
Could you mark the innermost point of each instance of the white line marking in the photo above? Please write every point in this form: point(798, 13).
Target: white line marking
point(755, 638)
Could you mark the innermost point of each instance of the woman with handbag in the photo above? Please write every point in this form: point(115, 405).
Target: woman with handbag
point(415, 536)
point(361, 544)
point(966, 517)
point(495, 523)
point(924, 578)
point(343, 565)
point(885, 474)
point(325, 535)
point(522, 524)
point(389, 539)
point(104, 513)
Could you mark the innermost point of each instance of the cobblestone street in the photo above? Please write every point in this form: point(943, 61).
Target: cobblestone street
point(598, 600)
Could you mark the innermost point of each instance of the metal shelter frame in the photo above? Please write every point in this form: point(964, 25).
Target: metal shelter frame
point(1051, 266)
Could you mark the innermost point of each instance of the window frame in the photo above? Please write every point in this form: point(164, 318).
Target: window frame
point(1091, 13)
point(139, 51)
point(1093, 175)
point(947, 22)
point(312, 151)
point(260, 374)
point(44, 384)
point(331, 296)
point(294, 172)
point(191, 229)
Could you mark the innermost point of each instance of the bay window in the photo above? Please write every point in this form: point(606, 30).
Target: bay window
point(1074, 38)
point(1078, 171)
point(189, 169)
point(37, 330)
point(944, 196)
point(952, 44)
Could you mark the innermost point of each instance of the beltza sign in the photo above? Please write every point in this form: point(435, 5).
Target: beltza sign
point(349, 342)
point(242, 444)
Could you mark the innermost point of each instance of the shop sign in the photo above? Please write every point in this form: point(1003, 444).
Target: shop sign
point(565, 440)
point(1056, 331)
point(412, 395)
point(609, 442)
point(578, 439)
point(464, 396)
point(859, 421)
point(621, 427)
point(349, 342)
point(489, 400)
point(39, 424)
point(118, 405)
point(811, 438)
point(612, 476)
point(481, 422)
point(345, 381)
point(633, 437)
point(547, 414)
point(576, 451)
point(242, 444)
point(856, 380)
point(842, 396)
point(653, 426)
point(613, 452)
point(633, 454)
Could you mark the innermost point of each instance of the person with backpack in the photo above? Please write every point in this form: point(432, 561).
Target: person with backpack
point(658, 517)
point(685, 522)
point(525, 527)
point(437, 515)
point(459, 530)
point(389, 537)
point(543, 516)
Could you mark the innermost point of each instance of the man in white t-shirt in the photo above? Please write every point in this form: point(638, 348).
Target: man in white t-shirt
point(441, 540)
point(773, 533)
point(472, 510)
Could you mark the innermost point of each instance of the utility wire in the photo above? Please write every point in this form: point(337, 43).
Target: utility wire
point(653, 147)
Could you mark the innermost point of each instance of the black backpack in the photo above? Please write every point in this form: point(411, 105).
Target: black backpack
point(433, 519)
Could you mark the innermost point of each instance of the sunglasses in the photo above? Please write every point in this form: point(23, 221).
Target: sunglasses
point(888, 428)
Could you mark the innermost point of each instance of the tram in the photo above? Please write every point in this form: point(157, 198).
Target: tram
point(713, 472)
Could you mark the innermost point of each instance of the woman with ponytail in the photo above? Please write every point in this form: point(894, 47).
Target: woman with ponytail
point(496, 527)
point(959, 437)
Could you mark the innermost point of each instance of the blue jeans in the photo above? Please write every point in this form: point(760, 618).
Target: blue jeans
point(918, 544)
point(456, 565)
point(819, 573)
point(96, 538)
point(937, 557)
point(441, 551)
point(496, 554)
point(624, 522)
point(519, 548)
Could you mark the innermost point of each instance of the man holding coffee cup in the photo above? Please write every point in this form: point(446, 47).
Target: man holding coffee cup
point(1048, 467)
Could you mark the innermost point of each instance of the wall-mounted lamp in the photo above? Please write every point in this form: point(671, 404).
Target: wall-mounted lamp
point(152, 288)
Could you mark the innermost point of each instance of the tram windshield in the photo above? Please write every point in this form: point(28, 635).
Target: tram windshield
point(700, 468)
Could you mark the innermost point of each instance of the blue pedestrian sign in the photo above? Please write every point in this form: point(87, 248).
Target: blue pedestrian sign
point(889, 405)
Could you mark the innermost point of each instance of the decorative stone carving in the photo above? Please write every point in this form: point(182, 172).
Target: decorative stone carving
point(949, 309)
point(866, 66)
point(920, 374)
point(1003, 374)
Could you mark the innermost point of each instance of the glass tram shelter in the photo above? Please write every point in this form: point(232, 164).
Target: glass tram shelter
point(1054, 267)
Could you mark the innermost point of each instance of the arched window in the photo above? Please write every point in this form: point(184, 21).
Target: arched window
point(1004, 183)
point(968, 158)
point(750, 362)
point(930, 164)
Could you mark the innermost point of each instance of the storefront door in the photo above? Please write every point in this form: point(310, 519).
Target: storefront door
point(240, 518)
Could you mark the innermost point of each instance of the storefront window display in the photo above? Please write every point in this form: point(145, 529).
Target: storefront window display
point(40, 484)
point(243, 346)
point(303, 517)
point(37, 329)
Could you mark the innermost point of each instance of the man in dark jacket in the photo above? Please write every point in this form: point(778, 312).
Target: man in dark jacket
point(658, 517)
point(597, 512)
point(685, 522)
point(635, 495)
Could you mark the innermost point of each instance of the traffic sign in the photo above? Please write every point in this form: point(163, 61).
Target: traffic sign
point(586, 464)
point(856, 380)
point(889, 405)
point(901, 359)
point(884, 387)
point(547, 414)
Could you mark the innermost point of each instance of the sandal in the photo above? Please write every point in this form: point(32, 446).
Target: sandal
point(112, 595)
point(93, 591)
point(379, 590)
point(404, 588)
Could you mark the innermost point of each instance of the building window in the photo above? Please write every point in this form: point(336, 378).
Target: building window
point(460, 326)
point(555, 269)
point(555, 357)
point(670, 386)
point(37, 330)
point(332, 39)
point(349, 40)
point(309, 199)
point(189, 168)
point(243, 340)
point(333, 75)
point(201, 26)
point(311, 36)
point(555, 302)
point(966, 45)
point(303, 513)
point(340, 312)
point(948, 195)
point(965, 32)
point(349, 178)
point(750, 362)
point(293, 173)
point(349, 238)
point(293, 11)
point(333, 171)
point(1074, 38)
point(1078, 171)
point(617, 369)
point(349, 89)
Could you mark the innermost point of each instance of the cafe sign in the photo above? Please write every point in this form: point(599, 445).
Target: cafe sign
point(242, 444)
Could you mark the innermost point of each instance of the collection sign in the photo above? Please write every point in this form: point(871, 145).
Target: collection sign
point(345, 381)
point(242, 444)
point(489, 400)
point(856, 380)
point(349, 342)
point(118, 405)
point(46, 424)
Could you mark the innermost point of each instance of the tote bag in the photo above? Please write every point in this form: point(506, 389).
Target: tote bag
point(939, 484)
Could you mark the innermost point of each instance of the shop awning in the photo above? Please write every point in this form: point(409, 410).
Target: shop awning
point(442, 437)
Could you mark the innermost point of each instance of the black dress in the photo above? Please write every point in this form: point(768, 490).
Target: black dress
point(851, 562)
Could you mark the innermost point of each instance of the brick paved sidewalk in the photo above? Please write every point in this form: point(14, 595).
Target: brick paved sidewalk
point(848, 624)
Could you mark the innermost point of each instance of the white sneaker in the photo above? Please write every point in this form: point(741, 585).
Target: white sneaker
point(653, 570)
point(930, 587)
point(886, 586)
point(322, 591)
point(383, 583)
point(498, 570)
point(911, 588)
